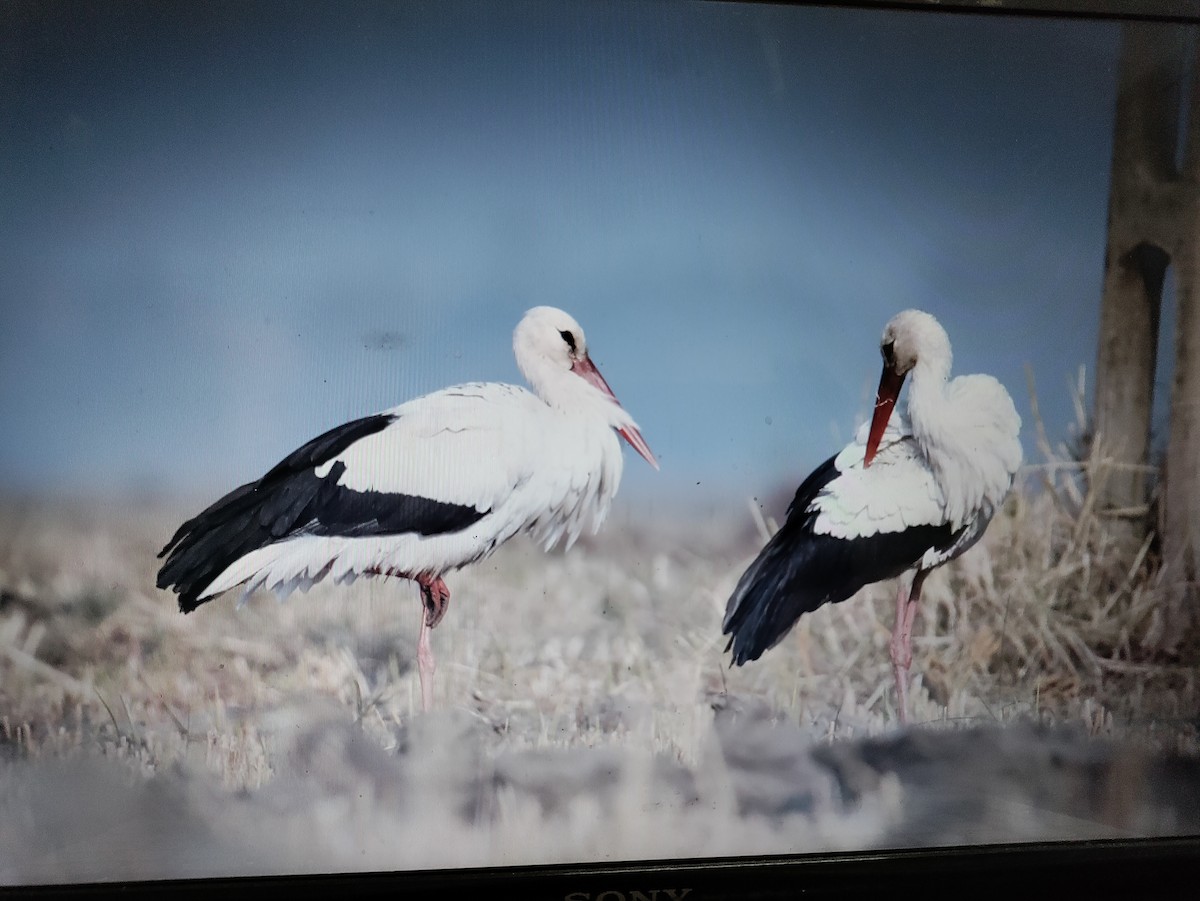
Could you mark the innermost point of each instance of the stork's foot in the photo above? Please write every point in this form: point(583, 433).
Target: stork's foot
point(436, 598)
point(900, 674)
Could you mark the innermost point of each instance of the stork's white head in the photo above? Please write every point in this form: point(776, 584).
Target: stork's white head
point(914, 336)
point(911, 338)
point(548, 336)
point(552, 354)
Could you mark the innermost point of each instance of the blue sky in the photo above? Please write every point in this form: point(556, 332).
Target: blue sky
point(226, 228)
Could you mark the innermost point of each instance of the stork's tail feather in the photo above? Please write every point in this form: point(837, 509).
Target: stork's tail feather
point(770, 597)
point(256, 514)
point(207, 544)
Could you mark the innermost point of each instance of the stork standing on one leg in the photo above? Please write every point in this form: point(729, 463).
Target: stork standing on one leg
point(423, 488)
point(912, 491)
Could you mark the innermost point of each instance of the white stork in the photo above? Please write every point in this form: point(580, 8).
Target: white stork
point(912, 491)
point(423, 488)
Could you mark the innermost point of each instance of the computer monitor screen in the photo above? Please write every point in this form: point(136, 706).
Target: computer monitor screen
point(488, 435)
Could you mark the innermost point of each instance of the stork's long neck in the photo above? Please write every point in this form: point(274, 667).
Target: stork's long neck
point(928, 408)
point(936, 426)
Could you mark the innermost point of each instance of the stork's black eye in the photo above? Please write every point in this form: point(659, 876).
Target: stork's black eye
point(570, 339)
point(888, 350)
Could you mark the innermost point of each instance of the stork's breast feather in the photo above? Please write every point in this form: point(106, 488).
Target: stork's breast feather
point(989, 422)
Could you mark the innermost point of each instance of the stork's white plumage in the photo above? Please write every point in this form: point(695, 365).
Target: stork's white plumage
point(912, 491)
point(423, 488)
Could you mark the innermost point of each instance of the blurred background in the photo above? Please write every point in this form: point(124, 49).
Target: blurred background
point(227, 227)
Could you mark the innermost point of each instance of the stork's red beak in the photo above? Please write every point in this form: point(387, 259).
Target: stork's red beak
point(890, 383)
point(586, 370)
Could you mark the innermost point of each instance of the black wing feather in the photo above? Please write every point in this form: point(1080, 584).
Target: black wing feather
point(312, 454)
point(292, 500)
point(799, 570)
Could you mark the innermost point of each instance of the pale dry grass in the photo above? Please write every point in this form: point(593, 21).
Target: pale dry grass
point(609, 656)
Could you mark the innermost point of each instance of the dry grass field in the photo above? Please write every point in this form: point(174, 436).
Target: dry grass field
point(585, 710)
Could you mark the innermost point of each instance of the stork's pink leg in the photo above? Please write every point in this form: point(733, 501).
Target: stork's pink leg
point(435, 598)
point(901, 647)
point(426, 666)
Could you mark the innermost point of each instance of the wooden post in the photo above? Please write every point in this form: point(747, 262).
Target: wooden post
point(1143, 225)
